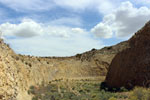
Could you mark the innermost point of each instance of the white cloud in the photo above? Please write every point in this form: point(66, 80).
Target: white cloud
point(124, 21)
point(28, 5)
point(52, 46)
point(29, 28)
point(103, 31)
point(78, 30)
point(55, 39)
point(43, 40)
point(74, 5)
point(103, 6)
point(73, 21)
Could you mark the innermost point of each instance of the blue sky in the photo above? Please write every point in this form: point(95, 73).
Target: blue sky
point(68, 27)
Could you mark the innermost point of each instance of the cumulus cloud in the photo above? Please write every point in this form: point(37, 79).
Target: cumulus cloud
point(50, 41)
point(30, 28)
point(47, 40)
point(103, 31)
point(123, 22)
point(58, 37)
point(27, 28)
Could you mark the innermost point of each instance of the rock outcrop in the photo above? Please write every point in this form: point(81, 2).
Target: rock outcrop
point(19, 72)
point(131, 67)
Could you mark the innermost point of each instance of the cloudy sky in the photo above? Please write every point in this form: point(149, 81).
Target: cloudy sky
point(68, 27)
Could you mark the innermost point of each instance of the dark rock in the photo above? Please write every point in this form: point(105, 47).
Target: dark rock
point(131, 67)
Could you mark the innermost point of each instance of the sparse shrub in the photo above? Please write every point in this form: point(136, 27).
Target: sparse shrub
point(93, 49)
point(39, 60)
point(140, 94)
point(81, 90)
point(26, 63)
point(109, 48)
point(104, 86)
point(30, 64)
point(17, 58)
point(121, 96)
point(87, 90)
point(94, 95)
point(73, 88)
point(106, 95)
point(114, 89)
point(123, 89)
point(147, 96)
point(31, 90)
point(78, 56)
point(35, 98)
point(112, 98)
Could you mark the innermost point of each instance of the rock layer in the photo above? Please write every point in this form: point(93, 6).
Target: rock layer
point(131, 67)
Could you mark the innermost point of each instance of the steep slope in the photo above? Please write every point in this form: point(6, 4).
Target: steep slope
point(19, 72)
point(131, 67)
point(8, 73)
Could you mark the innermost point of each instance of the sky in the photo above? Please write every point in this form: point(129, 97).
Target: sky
point(68, 27)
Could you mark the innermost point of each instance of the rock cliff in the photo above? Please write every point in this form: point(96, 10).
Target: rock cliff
point(131, 67)
point(19, 72)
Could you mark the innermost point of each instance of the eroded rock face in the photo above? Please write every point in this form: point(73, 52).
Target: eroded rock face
point(19, 72)
point(131, 67)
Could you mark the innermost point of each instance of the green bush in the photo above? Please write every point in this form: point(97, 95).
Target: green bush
point(78, 90)
point(31, 90)
point(106, 95)
point(140, 94)
point(34, 98)
point(123, 89)
point(112, 98)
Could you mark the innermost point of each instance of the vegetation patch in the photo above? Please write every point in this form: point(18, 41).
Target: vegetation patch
point(73, 90)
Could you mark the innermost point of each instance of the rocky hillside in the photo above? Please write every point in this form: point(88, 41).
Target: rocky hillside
point(131, 67)
point(19, 72)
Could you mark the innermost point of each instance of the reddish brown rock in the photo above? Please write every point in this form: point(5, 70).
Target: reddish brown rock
point(131, 67)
